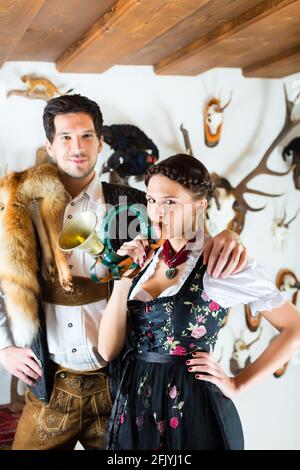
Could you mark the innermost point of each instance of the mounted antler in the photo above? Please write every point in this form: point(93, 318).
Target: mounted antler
point(227, 104)
point(282, 222)
point(240, 205)
point(187, 142)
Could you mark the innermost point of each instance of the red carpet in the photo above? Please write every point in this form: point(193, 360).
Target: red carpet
point(8, 425)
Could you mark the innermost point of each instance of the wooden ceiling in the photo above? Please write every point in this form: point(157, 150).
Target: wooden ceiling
point(178, 37)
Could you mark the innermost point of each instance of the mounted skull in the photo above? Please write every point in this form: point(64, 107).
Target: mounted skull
point(213, 121)
point(287, 281)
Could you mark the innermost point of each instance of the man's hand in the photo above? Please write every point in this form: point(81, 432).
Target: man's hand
point(224, 254)
point(22, 363)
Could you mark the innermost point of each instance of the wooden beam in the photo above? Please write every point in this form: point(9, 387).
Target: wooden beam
point(125, 28)
point(189, 60)
point(56, 26)
point(277, 66)
point(205, 19)
point(15, 18)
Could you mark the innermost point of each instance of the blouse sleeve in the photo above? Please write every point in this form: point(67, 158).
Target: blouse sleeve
point(251, 286)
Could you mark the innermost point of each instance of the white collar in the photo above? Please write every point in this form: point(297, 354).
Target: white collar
point(93, 191)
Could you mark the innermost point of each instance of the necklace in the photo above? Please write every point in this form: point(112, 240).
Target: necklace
point(173, 259)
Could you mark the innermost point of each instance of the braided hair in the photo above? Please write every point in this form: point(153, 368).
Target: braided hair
point(187, 171)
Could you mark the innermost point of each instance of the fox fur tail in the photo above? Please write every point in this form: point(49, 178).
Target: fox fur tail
point(18, 260)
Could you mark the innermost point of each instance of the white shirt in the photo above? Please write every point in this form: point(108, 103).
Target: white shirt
point(251, 286)
point(72, 331)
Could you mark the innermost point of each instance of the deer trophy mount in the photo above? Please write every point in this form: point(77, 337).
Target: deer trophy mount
point(213, 121)
point(37, 88)
point(280, 229)
point(291, 154)
point(240, 356)
point(286, 281)
point(233, 198)
point(252, 322)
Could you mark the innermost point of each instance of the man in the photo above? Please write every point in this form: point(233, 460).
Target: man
point(69, 383)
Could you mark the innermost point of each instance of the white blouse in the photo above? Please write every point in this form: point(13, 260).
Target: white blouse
point(252, 286)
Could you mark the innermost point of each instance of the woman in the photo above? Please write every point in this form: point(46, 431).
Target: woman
point(173, 394)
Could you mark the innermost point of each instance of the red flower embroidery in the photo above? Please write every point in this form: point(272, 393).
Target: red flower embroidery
point(122, 418)
point(178, 351)
point(214, 306)
point(174, 422)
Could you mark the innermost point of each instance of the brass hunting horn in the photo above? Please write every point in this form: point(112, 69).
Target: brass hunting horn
point(85, 232)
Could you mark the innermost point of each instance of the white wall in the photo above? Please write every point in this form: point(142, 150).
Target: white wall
point(158, 105)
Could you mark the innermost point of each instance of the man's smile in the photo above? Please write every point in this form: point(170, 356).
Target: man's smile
point(78, 160)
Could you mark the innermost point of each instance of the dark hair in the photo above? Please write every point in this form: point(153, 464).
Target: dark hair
point(187, 171)
point(71, 104)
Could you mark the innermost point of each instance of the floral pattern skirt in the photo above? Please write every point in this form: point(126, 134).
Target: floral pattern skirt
point(163, 406)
